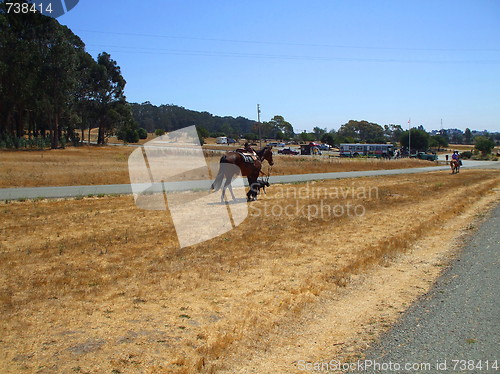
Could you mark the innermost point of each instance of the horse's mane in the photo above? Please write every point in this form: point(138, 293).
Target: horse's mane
point(261, 151)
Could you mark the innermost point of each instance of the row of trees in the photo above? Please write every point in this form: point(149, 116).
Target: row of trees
point(52, 91)
point(51, 88)
point(173, 117)
point(456, 136)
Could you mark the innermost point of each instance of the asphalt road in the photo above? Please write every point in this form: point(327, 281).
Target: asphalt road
point(74, 191)
point(459, 319)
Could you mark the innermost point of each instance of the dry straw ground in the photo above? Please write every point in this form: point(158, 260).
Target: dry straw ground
point(96, 285)
point(109, 165)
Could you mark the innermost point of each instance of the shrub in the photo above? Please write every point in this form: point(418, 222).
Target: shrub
point(132, 136)
point(159, 132)
point(466, 154)
point(143, 134)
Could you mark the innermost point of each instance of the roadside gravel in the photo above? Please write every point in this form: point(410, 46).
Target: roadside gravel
point(459, 319)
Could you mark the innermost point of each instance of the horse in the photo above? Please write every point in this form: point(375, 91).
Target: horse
point(228, 169)
point(455, 166)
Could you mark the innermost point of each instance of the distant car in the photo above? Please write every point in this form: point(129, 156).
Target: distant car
point(427, 156)
point(324, 147)
point(231, 141)
point(276, 144)
point(288, 151)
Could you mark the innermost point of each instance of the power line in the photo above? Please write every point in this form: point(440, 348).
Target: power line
point(205, 53)
point(294, 43)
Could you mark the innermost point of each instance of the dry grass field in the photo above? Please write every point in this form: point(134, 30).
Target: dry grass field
point(109, 165)
point(96, 285)
point(285, 165)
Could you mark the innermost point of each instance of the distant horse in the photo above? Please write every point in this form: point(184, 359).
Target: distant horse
point(455, 166)
point(229, 164)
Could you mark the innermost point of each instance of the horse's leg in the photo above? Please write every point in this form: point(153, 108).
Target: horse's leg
point(223, 194)
point(224, 186)
point(231, 190)
point(227, 184)
point(252, 192)
point(249, 193)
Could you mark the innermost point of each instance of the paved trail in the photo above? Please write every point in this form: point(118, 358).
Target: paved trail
point(458, 320)
point(74, 191)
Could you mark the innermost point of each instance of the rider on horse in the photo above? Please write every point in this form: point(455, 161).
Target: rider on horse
point(455, 162)
point(247, 148)
point(456, 157)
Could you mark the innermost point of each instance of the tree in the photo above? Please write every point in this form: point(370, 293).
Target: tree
point(265, 129)
point(109, 92)
point(306, 136)
point(202, 134)
point(50, 86)
point(280, 129)
point(457, 138)
point(250, 136)
point(362, 131)
point(38, 73)
point(437, 141)
point(173, 117)
point(419, 140)
point(444, 134)
point(328, 138)
point(58, 74)
point(468, 136)
point(120, 114)
point(484, 144)
point(393, 132)
point(84, 103)
point(318, 132)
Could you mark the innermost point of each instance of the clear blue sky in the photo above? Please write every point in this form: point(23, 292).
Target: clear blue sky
point(317, 63)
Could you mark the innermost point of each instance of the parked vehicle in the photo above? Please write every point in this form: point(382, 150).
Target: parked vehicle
point(276, 144)
point(427, 156)
point(221, 140)
point(324, 147)
point(370, 150)
point(288, 151)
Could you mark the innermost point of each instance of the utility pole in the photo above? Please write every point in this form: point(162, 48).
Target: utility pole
point(409, 138)
point(258, 120)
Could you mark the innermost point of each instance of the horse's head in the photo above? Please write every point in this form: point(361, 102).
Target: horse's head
point(268, 155)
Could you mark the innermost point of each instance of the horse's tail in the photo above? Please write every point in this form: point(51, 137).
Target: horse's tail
point(220, 176)
point(218, 181)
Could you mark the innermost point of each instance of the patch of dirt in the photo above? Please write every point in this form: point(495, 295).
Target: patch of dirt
point(346, 321)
